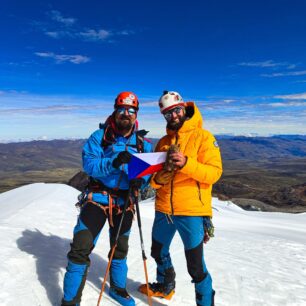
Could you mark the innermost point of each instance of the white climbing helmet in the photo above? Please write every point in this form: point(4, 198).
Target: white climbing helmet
point(170, 99)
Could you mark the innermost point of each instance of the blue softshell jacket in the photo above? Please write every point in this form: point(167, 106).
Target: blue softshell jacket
point(97, 161)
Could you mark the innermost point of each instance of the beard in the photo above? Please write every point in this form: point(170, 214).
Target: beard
point(124, 123)
point(175, 126)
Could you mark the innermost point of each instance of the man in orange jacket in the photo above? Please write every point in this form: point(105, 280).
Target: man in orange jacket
point(183, 198)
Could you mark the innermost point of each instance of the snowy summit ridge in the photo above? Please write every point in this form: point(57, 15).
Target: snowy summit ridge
point(256, 258)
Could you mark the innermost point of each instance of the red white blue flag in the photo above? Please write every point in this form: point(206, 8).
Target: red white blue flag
point(143, 164)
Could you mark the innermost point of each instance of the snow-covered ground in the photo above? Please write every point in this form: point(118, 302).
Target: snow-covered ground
point(255, 258)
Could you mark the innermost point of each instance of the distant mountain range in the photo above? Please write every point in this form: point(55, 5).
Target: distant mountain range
point(256, 148)
point(41, 155)
point(259, 168)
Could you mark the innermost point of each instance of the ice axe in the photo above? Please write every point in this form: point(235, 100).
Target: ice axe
point(144, 257)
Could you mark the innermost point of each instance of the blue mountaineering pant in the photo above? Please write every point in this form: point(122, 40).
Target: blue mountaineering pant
point(86, 233)
point(191, 231)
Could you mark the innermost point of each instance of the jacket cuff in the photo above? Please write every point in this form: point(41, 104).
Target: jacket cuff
point(154, 184)
point(190, 166)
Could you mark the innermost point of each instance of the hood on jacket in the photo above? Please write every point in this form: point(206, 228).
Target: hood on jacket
point(194, 119)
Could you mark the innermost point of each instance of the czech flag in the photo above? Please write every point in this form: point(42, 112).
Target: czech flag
point(142, 164)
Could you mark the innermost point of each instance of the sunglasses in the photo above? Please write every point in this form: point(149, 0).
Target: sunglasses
point(169, 113)
point(121, 110)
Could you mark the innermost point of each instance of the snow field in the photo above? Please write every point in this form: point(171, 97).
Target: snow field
point(255, 258)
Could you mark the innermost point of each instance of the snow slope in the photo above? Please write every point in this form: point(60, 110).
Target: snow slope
point(256, 258)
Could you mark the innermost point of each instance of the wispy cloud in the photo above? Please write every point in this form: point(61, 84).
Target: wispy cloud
point(300, 96)
point(88, 34)
point(57, 16)
point(95, 35)
point(73, 31)
point(229, 100)
point(149, 103)
point(287, 104)
point(260, 114)
point(53, 34)
point(266, 127)
point(18, 101)
point(222, 103)
point(281, 74)
point(275, 66)
point(62, 58)
point(49, 109)
point(59, 34)
point(268, 64)
point(125, 32)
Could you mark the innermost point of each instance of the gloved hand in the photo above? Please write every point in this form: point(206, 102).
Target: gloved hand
point(123, 157)
point(136, 183)
point(163, 177)
point(169, 166)
point(206, 237)
point(208, 229)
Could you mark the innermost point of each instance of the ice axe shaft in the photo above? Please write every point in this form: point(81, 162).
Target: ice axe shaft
point(142, 245)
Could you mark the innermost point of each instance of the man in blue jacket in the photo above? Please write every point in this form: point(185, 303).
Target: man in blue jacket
point(105, 157)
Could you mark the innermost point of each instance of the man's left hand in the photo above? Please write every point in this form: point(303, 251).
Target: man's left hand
point(178, 159)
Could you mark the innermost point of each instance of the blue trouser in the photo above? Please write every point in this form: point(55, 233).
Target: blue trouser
point(86, 233)
point(191, 231)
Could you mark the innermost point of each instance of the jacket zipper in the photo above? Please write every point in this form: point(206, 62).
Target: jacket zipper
point(199, 191)
point(171, 194)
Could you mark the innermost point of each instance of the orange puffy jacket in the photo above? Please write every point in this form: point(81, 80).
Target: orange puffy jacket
point(189, 192)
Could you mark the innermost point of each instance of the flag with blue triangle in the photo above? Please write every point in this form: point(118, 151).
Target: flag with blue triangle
point(143, 164)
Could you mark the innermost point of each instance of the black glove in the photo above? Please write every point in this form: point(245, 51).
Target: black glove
point(123, 157)
point(136, 183)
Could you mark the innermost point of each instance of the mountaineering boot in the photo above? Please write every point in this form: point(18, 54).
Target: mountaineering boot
point(161, 290)
point(212, 299)
point(121, 296)
point(205, 295)
point(164, 287)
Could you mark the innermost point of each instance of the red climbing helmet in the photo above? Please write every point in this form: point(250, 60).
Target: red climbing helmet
point(128, 99)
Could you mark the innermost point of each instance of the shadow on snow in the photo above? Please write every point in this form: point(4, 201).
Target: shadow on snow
point(50, 254)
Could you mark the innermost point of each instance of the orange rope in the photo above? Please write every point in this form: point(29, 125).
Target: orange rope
point(106, 274)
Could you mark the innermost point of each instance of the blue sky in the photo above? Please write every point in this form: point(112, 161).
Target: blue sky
point(63, 62)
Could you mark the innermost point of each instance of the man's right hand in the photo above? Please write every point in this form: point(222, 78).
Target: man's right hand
point(163, 177)
point(169, 163)
point(123, 157)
